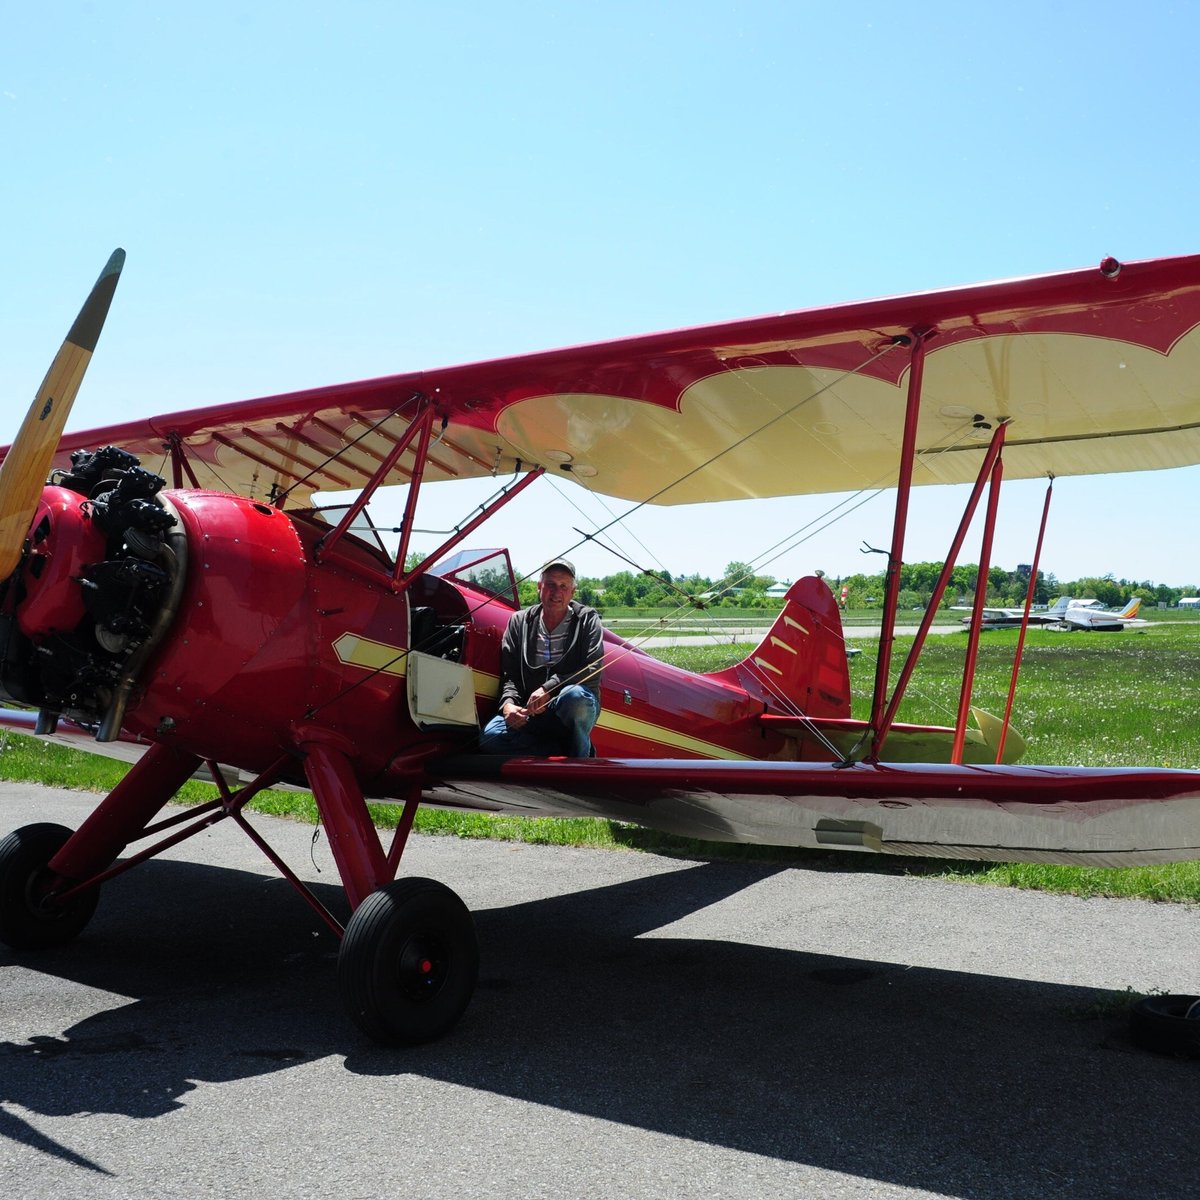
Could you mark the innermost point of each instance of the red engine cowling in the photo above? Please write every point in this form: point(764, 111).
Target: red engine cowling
point(257, 657)
point(63, 541)
point(93, 593)
point(204, 620)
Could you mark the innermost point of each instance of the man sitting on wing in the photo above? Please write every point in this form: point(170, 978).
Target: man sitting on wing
point(550, 663)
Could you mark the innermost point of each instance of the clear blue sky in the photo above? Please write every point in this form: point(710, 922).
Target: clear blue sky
point(314, 193)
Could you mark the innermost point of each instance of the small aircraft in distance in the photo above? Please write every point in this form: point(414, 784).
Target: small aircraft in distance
point(1066, 614)
point(211, 612)
point(1092, 615)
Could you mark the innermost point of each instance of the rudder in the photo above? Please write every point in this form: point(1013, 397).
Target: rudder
point(801, 663)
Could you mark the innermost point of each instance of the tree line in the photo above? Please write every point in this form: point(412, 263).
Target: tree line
point(740, 587)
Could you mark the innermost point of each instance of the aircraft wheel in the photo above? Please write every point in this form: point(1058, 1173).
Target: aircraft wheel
point(408, 962)
point(26, 922)
point(1167, 1025)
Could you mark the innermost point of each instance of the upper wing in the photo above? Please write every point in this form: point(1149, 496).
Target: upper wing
point(1098, 370)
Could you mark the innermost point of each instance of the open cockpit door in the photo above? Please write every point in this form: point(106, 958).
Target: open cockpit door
point(441, 677)
point(441, 692)
point(441, 682)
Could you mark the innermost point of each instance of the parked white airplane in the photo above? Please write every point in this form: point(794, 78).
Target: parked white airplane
point(1068, 612)
point(1091, 614)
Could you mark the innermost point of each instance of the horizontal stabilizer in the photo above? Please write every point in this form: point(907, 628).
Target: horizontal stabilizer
point(905, 743)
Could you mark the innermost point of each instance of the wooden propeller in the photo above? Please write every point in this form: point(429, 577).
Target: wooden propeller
point(25, 467)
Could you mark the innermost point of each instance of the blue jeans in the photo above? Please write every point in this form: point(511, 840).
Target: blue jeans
point(564, 727)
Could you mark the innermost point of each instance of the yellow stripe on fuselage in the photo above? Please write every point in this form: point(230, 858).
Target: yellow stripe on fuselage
point(627, 726)
point(487, 688)
point(372, 656)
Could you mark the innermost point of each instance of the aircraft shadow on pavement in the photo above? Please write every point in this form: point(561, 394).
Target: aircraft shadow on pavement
point(967, 1085)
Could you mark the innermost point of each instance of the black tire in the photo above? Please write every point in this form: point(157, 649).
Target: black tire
point(408, 962)
point(1161, 1024)
point(26, 923)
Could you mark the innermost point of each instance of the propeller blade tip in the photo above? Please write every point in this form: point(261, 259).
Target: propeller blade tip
point(86, 330)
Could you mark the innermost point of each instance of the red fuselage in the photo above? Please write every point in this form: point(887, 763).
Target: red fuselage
point(258, 651)
point(269, 639)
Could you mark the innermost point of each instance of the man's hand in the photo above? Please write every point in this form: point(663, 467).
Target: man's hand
point(515, 716)
point(537, 702)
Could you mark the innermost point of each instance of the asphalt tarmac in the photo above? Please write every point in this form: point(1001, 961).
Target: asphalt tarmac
point(644, 1027)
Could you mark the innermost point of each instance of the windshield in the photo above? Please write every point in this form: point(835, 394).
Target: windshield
point(362, 527)
point(487, 571)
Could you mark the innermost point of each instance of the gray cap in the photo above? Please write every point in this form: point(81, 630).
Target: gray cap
point(560, 564)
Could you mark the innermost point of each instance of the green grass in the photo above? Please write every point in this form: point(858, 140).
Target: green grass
point(31, 760)
point(1083, 699)
point(1179, 882)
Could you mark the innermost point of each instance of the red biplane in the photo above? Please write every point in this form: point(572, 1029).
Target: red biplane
point(174, 587)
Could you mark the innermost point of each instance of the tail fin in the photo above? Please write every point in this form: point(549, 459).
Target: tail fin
point(1060, 605)
point(1131, 609)
point(801, 663)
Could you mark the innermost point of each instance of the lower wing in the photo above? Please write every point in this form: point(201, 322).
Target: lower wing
point(1101, 817)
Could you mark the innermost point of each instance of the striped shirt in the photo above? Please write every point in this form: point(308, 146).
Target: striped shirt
point(552, 644)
